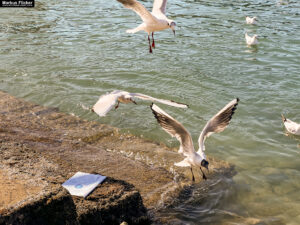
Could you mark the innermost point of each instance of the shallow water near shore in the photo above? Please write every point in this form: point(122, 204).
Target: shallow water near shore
point(66, 54)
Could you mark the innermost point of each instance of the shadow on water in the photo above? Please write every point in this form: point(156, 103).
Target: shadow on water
point(211, 202)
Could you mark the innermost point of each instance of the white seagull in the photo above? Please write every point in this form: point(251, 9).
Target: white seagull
point(252, 20)
point(107, 101)
point(154, 21)
point(291, 127)
point(251, 40)
point(215, 125)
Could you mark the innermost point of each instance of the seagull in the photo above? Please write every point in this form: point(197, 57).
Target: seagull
point(107, 101)
point(291, 127)
point(251, 40)
point(154, 21)
point(252, 20)
point(215, 125)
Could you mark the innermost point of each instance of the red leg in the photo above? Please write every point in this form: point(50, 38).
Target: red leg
point(153, 43)
point(150, 48)
point(117, 105)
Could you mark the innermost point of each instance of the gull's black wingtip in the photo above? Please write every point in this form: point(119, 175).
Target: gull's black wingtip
point(156, 115)
point(237, 99)
point(151, 107)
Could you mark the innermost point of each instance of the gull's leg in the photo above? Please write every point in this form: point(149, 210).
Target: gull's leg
point(153, 43)
point(133, 101)
point(193, 178)
point(117, 105)
point(150, 48)
point(203, 175)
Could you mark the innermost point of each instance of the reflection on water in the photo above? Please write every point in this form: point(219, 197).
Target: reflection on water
point(66, 54)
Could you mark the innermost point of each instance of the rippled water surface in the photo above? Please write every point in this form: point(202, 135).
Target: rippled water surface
point(66, 53)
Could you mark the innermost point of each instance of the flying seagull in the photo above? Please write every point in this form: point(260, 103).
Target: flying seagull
point(107, 101)
point(215, 125)
point(252, 20)
point(291, 127)
point(251, 40)
point(154, 21)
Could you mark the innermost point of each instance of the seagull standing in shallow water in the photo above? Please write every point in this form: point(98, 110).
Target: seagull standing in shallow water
point(291, 127)
point(215, 125)
point(251, 40)
point(250, 20)
point(154, 21)
point(107, 101)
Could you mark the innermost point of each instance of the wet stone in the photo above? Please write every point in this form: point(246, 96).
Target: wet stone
point(40, 148)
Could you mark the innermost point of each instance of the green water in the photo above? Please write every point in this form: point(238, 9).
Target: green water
point(67, 53)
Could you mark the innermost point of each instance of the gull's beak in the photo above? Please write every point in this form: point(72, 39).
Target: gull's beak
point(207, 168)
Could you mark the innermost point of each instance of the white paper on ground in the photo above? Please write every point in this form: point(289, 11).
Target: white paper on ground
point(81, 184)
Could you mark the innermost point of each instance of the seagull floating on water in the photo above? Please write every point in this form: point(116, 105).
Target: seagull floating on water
point(215, 125)
point(252, 20)
point(291, 127)
point(154, 21)
point(251, 40)
point(107, 101)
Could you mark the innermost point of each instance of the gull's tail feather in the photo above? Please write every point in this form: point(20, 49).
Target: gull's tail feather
point(131, 31)
point(180, 151)
point(134, 30)
point(183, 163)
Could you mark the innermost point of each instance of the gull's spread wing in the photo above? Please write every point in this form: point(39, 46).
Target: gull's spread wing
point(217, 123)
point(175, 129)
point(163, 101)
point(159, 8)
point(137, 7)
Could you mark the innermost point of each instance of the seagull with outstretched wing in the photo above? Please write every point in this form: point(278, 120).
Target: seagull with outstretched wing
point(215, 125)
point(107, 101)
point(154, 21)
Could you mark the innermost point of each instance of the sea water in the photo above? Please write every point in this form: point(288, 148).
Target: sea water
point(67, 53)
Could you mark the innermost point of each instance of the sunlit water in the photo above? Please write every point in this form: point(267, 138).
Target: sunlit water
point(67, 53)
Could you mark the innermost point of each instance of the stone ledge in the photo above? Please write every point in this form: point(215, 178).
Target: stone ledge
point(40, 148)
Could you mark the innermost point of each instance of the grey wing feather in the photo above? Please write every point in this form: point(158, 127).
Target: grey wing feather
point(134, 5)
point(175, 129)
point(159, 7)
point(217, 123)
point(163, 101)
